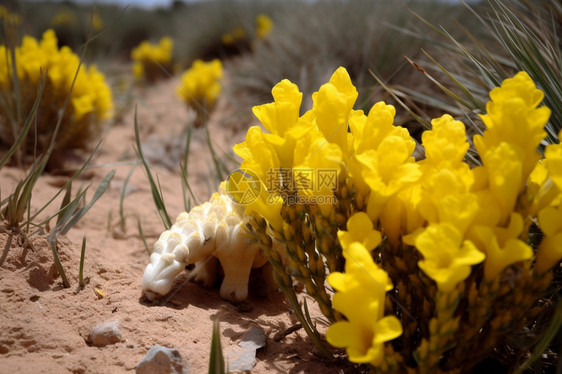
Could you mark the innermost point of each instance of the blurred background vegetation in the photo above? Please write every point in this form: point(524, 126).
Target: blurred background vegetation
point(309, 40)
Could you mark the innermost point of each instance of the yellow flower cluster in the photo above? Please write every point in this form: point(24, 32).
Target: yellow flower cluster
point(64, 17)
point(67, 18)
point(152, 61)
point(437, 215)
point(231, 38)
point(264, 26)
point(8, 17)
point(200, 85)
point(366, 328)
point(90, 101)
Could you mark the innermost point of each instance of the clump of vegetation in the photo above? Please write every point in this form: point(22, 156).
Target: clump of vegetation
point(81, 91)
point(153, 61)
point(200, 87)
point(434, 264)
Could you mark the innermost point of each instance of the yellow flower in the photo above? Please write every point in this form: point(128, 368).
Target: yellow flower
point(264, 26)
point(387, 170)
point(360, 296)
point(360, 229)
point(147, 52)
point(550, 249)
point(227, 39)
point(249, 191)
point(10, 19)
point(324, 160)
point(97, 22)
point(64, 17)
point(238, 33)
point(446, 257)
point(363, 334)
point(446, 199)
point(332, 107)
point(553, 162)
point(505, 174)
point(152, 61)
point(90, 100)
point(281, 119)
point(368, 132)
point(513, 118)
point(259, 156)
point(502, 246)
point(446, 142)
point(200, 85)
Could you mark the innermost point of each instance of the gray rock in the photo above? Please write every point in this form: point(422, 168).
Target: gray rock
point(162, 360)
point(105, 333)
point(244, 357)
point(254, 338)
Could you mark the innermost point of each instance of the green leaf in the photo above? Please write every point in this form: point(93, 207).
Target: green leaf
point(216, 358)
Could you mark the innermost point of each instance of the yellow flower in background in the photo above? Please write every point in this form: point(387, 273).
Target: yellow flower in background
point(9, 18)
point(91, 99)
point(446, 256)
point(200, 85)
point(64, 17)
point(152, 61)
point(97, 22)
point(237, 35)
point(264, 26)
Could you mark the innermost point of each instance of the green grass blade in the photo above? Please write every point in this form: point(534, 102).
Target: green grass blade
point(99, 192)
point(424, 123)
point(81, 271)
point(28, 122)
point(156, 193)
point(52, 239)
point(122, 197)
point(553, 328)
point(141, 234)
point(63, 188)
point(64, 204)
point(216, 358)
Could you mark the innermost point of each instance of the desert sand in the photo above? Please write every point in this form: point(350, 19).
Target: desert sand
point(45, 327)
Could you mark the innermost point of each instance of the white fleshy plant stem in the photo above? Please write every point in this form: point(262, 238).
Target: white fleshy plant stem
point(213, 230)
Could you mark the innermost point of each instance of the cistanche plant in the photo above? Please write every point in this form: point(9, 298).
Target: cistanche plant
point(432, 264)
point(90, 100)
point(153, 61)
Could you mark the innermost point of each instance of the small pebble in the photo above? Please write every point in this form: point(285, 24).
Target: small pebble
point(105, 333)
point(162, 360)
point(244, 357)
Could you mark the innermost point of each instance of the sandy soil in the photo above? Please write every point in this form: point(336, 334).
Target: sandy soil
point(43, 326)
